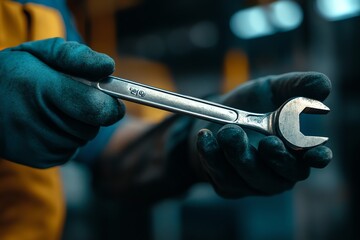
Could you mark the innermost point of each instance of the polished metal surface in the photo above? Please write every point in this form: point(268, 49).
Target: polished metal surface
point(288, 122)
point(284, 122)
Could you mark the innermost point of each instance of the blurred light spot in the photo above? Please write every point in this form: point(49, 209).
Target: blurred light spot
point(266, 20)
point(338, 9)
point(204, 34)
point(250, 23)
point(286, 15)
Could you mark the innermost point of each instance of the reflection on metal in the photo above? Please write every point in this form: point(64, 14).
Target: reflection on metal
point(265, 20)
point(334, 10)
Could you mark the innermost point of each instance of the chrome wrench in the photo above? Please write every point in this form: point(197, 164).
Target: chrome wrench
point(283, 122)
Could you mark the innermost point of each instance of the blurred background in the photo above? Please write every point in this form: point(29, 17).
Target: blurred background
point(201, 47)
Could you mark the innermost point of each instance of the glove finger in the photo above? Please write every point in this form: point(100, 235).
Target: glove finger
point(244, 159)
point(47, 149)
point(306, 84)
point(225, 180)
point(70, 57)
point(84, 103)
point(318, 157)
point(51, 140)
point(58, 94)
point(276, 156)
point(66, 127)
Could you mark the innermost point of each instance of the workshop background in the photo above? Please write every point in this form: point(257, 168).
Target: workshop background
point(203, 46)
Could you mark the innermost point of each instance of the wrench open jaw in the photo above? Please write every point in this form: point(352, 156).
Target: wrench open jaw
point(287, 122)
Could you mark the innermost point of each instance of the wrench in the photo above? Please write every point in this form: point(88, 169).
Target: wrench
point(283, 122)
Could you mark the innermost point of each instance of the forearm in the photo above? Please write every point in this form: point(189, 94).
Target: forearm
point(152, 166)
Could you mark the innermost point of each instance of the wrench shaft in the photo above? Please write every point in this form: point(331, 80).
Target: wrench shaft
point(178, 103)
point(159, 98)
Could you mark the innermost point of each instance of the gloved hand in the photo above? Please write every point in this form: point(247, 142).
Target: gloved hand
point(45, 115)
point(234, 166)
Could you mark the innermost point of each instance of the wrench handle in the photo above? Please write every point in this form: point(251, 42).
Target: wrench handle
point(166, 100)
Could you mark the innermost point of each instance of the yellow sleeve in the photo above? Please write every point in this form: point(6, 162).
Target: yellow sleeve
point(13, 24)
point(31, 200)
point(21, 23)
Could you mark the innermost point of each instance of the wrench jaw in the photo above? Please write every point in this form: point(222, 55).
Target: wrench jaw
point(288, 122)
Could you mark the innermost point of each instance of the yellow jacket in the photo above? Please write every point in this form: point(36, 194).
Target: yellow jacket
point(31, 200)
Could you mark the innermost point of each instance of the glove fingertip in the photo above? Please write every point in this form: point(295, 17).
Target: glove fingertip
point(318, 157)
point(270, 144)
point(233, 137)
point(102, 65)
point(318, 85)
point(206, 142)
point(113, 113)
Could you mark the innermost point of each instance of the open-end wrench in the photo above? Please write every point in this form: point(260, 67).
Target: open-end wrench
point(283, 122)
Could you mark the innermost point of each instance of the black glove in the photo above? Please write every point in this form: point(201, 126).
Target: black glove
point(234, 166)
point(45, 115)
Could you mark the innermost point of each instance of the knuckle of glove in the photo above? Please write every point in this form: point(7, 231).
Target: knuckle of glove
point(80, 60)
point(307, 84)
point(232, 139)
point(70, 57)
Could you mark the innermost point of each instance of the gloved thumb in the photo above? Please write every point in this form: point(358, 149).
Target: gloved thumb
point(307, 84)
point(70, 57)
